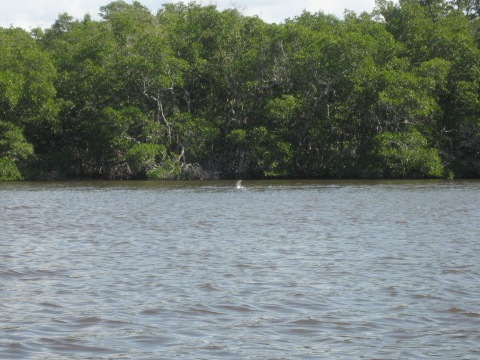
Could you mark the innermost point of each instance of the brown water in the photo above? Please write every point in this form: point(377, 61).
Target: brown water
point(276, 270)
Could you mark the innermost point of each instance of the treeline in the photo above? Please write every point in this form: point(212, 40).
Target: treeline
point(194, 92)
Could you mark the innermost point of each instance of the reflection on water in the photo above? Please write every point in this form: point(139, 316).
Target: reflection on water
point(274, 270)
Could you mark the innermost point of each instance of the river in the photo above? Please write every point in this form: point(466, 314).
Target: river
point(273, 270)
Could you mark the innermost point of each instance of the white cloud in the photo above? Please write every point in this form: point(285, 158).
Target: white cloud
point(43, 13)
point(32, 13)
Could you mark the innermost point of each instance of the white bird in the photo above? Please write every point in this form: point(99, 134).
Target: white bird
point(238, 184)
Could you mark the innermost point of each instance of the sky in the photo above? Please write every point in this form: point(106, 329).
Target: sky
point(29, 14)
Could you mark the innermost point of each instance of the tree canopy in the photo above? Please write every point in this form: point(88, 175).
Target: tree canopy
point(193, 92)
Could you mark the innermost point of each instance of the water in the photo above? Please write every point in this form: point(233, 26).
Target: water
point(274, 270)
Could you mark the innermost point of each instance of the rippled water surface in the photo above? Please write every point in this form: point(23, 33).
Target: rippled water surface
point(275, 270)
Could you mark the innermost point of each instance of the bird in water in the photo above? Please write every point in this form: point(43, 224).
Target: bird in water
point(238, 184)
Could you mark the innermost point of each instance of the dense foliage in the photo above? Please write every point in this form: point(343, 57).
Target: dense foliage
point(194, 92)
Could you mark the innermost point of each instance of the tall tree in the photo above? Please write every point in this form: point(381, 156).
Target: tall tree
point(28, 111)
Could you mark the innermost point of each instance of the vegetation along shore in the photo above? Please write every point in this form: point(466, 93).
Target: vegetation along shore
point(192, 92)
